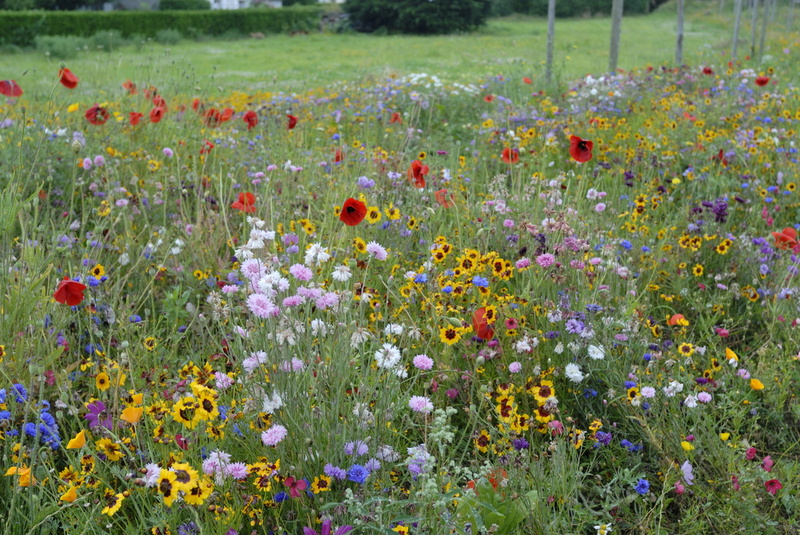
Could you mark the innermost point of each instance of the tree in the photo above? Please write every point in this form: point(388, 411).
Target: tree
point(418, 16)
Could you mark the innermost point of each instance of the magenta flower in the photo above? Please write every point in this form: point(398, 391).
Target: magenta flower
point(97, 415)
point(295, 486)
point(326, 529)
point(773, 486)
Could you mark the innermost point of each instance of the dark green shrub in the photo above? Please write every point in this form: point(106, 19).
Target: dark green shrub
point(168, 37)
point(418, 16)
point(108, 40)
point(184, 5)
point(60, 46)
point(20, 28)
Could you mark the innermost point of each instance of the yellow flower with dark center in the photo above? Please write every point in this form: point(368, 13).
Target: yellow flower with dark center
point(482, 441)
point(102, 382)
point(373, 215)
point(748, 292)
point(215, 431)
point(402, 530)
point(490, 314)
point(207, 406)
point(199, 274)
point(166, 486)
point(411, 224)
point(113, 502)
point(109, 448)
point(321, 484)
point(686, 349)
point(150, 343)
point(87, 464)
point(697, 270)
point(359, 245)
point(449, 334)
point(184, 411)
point(98, 270)
point(199, 492)
point(185, 476)
point(392, 213)
point(633, 393)
point(308, 227)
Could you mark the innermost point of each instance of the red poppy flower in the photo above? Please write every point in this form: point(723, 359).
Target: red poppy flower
point(159, 102)
point(488, 98)
point(97, 115)
point(720, 158)
point(527, 80)
point(481, 325)
point(156, 114)
point(708, 71)
point(212, 118)
point(129, 86)
point(135, 117)
point(292, 122)
point(396, 118)
point(10, 88)
point(295, 486)
point(197, 105)
point(510, 156)
point(444, 199)
point(761, 81)
point(251, 119)
point(150, 92)
point(353, 212)
point(773, 486)
point(338, 157)
point(226, 115)
point(417, 172)
point(675, 319)
point(580, 149)
point(67, 79)
point(246, 203)
point(207, 146)
point(786, 239)
point(69, 292)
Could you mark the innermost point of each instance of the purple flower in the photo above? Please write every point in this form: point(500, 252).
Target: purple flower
point(326, 529)
point(357, 474)
point(97, 416)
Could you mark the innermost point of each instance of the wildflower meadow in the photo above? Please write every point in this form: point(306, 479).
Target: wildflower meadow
point(403, 303)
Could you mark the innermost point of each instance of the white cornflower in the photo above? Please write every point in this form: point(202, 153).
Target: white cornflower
point(596, 352)
point(387, 357)
point(342, 273)
point(573, 372)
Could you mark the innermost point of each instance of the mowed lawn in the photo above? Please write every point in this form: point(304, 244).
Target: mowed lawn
point(513, 46)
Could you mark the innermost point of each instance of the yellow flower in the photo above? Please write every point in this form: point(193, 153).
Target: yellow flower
point(78, 442)
point(166, 486)
point(132, 414)
point(73, 107)
point(686, 445)
point(321, 484)
point(730, 356)
point(110, 449)
point(98, 271)
point(70, 496)
point(24, 473)
point(724, 436)
point(102, 381)
point(113, 502)
point(449, 334)
point(755, 384)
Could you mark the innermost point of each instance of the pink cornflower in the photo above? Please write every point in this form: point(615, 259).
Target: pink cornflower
point(377, 251)
point(261, 306)
point(301, 272)
point(167, 152)
point(508, 223)
point(273, 435)
point(423, 362)
point(87, 163)
point(522, 263)
point(236, 470)
point(545, 260)
point(330, 299)
point(420, 404)
point(515, 367)
point(223, 380)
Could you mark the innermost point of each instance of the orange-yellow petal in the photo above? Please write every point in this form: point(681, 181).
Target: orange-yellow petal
point(132, 414)
point(138, 399)
point(70, 496)
point(78, 442)
point(755, 384)
point(730, 355)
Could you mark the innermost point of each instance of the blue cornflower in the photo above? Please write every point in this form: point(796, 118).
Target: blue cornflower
point(626, 245)
point(481, 282)
point(447, 289)
point(135, 318)
point(642, 486)
point(280, 497)
point(421, 278)
point(357, 474)
point(20, 393)
point(520, 444)
point(603, 438)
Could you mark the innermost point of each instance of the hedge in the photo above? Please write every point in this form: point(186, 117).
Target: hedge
point(21, 27)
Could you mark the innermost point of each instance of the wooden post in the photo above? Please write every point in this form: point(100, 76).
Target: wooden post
point(753, 32)
point(679, 44)
point(763, 32)
point(616, 27)
point(736, 25)
point(551, 34)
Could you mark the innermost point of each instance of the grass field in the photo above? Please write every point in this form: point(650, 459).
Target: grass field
point(512, 47)
point(263, 287)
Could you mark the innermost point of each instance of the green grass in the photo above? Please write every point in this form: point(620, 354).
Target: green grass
point(510, 46)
